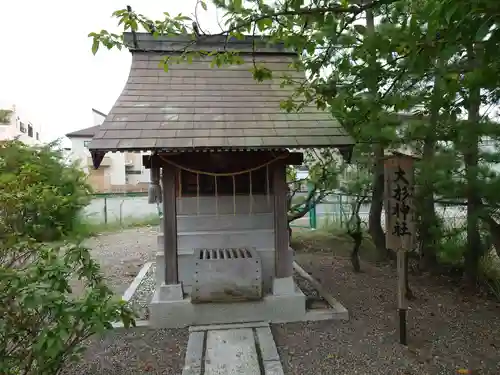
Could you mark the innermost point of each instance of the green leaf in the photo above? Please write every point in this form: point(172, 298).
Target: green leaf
point(238, 35)
point(261, 73)
point(95, 46)
point(360, 29)
point(203, 4)
point(164, 63)
point(483, 31)
point(288, 105)
point(264, 24)
point(311, 48)
point(237, 5)
point(450, 12)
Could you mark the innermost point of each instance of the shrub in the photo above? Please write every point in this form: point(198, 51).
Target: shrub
point(41, 194)
point(452, 245)
point(43, 324)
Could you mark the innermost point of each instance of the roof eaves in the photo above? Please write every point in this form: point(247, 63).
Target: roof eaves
point(98, 112)
point(181, 43)
point(84, 133)
point(70, 135)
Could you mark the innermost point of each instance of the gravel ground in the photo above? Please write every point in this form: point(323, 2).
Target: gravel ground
point(135, 352)
point(122, 254)
point(447, 331)
point(140, 350)
point(143, 294)
point(313, 299)
point(305, 286)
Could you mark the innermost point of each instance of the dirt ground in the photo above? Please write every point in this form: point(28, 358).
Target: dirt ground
point(134, 352)
point(448, 331)
point(140, 350)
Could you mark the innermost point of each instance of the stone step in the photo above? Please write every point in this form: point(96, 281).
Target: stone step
point(246, 350)
point(258, 238)
point(193, 223)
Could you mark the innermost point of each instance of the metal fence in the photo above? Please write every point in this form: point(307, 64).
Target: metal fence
point(112, 208)
point(333, 211)
point(336, 209)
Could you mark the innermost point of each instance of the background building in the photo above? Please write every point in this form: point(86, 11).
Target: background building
point(14, 123)
point(119, 172)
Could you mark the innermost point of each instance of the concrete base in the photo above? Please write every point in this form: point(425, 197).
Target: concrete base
point(171, 293)
point(182, 313)
point(284, 286)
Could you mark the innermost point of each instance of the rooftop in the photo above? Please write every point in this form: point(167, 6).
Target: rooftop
point(84, 133)
point(195, 106)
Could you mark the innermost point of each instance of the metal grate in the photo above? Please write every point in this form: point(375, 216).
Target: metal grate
point(225, 253)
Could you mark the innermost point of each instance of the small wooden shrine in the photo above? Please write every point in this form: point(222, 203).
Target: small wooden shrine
point(218, 147)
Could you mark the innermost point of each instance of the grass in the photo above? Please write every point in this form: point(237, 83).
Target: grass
point(330, 238)
point(89, 228)
point(490, 270)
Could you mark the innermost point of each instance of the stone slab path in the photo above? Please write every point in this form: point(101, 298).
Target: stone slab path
point(232, 349)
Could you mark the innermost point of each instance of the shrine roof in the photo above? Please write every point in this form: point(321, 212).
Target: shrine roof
point(195, 106)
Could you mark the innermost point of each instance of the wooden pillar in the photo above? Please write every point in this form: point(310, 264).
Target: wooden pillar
point(170, 224)
point(283, 255)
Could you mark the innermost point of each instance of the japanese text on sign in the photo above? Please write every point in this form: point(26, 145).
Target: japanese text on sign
point(400, 210)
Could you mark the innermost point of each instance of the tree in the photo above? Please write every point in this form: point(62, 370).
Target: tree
point(413, 73)
point(43, 324)
point(41, 196)
point(5, 115)
point(358, 189)
point(323, 178)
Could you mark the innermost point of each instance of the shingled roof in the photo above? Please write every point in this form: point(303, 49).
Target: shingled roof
point(84, 133)
point(196, 106)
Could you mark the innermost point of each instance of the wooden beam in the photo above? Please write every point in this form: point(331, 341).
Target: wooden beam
point(293, 158)
point(283, 256)
point(170, 224)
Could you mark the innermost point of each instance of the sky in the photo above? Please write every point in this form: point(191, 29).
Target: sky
point(47, 68)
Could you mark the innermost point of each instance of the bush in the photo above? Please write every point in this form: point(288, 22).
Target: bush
point(43, 324)
point(452, 245)
point(41, 195)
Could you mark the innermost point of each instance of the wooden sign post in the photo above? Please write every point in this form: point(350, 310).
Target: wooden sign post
point(400, 223)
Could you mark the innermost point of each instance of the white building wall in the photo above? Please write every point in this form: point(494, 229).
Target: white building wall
point(79, 153)
point(117, 169)
point(13, 129)
point(115, 173)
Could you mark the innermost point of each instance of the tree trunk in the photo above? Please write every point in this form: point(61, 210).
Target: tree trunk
point(474, 249)
point(357, 237)
point(428, 219)
point(377, 201)
point(377, 204)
